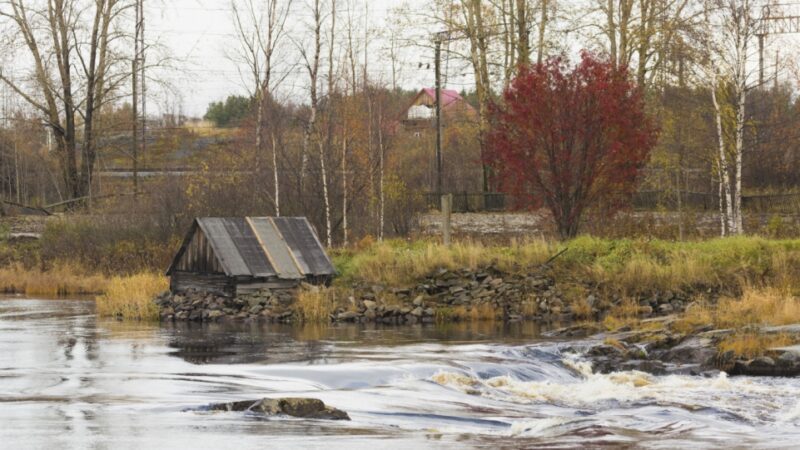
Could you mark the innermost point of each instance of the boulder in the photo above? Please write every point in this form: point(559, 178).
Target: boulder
point(306, 408)
point(347, 316)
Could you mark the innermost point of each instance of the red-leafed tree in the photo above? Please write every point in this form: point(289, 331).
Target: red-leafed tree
point(570, 137)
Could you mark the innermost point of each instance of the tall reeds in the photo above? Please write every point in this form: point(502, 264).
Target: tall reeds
point(132, 297)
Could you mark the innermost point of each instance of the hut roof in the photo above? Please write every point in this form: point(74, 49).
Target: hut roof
point(282, 247)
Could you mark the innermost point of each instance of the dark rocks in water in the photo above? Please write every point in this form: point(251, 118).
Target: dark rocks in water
point(579, 330)
point(784, 366)
point(305, 408)
point(694, 350)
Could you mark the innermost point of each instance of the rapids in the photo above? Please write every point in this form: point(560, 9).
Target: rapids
point(71, 380)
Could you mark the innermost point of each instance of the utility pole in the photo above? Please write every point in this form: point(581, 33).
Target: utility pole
point(771, 23)
point(142, 68)
point(135, 102)
point(438, 65)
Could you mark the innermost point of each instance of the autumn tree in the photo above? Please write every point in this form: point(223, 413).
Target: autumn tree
point(74, 70)
point(570, 137)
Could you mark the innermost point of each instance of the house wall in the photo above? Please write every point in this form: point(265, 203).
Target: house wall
point(199, 256)
point(218, 284)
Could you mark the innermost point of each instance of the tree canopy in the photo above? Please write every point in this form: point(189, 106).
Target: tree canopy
point(230, 112)
point(570, 136)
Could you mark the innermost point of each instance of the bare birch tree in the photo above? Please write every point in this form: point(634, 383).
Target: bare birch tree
point(260, 29)
point(730, 33)
point(74, 73)
point(311, 60)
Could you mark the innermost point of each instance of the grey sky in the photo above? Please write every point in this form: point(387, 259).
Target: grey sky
point(199, 36)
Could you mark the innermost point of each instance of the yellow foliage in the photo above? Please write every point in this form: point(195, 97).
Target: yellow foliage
point(132, 297)
point(62, 279)
point(751, 345)
point(316, 305)
point(765, 306)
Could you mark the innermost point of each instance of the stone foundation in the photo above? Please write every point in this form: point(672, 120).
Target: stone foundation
point(269, 305)
point(446, 296)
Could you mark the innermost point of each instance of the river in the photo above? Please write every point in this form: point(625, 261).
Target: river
point(71, 380)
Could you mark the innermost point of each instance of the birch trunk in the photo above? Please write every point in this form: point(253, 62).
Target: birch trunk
point(344, 187)
point(381, 156)
point(740, 122)
point(277, 190)
point(725, 181)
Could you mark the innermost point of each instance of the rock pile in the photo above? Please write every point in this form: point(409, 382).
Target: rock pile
point(457, 295)
point(270, 305)
point(695, 353)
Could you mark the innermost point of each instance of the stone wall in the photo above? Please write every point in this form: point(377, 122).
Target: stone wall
point(627, 223)
point(445, 296)
point(197, 306)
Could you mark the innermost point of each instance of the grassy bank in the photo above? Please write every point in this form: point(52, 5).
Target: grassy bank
point(60, 280)
point(629, 266)
point(742, 271)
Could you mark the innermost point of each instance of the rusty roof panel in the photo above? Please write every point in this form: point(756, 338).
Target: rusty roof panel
point(276, 249)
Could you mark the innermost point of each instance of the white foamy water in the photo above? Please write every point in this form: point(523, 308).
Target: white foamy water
point(69, 380)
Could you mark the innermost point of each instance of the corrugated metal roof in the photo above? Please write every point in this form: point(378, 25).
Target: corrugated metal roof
point(303, 241)
point(282, 247)
point(274, 245)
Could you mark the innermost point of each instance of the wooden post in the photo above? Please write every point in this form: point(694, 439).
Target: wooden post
point(447, 210)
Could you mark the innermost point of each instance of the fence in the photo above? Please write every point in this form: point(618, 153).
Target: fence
point(643, 200)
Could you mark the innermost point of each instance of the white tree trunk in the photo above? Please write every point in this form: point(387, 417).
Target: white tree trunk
point(277, 192)
point(724, 170)
point(741, 86)
point(381, 156)
point(325, 197)
point(344, 188)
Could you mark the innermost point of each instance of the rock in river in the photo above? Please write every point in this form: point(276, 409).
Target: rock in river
point(306, 408)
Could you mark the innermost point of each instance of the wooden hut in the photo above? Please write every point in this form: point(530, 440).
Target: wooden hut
point(238, 255)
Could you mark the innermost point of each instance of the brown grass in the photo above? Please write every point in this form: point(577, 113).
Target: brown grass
point(61, 280)
point(757, 306)
point(751, 345)
point(316, 305)
point(399, 263)
point(625, 313)
point(132, 297)
point(483, 311)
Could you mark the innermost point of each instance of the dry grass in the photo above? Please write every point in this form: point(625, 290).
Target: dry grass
point(132, 297)
point(61, 280)
point(401, 263)
point(751, 345)
point(625, 313)
point(445, 314)
point(484, 311)
point(316, 305)
point(629, 266)
point(756, 306)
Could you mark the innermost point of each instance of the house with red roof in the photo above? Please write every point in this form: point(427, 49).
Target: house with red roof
point(421, 113)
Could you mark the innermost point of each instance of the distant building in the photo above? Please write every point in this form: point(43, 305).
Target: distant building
point(240, 255)
point(422, 111)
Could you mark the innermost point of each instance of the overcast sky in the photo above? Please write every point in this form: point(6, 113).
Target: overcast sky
point(198, 35)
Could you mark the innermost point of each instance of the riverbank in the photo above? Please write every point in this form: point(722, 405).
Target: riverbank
point(616, 284)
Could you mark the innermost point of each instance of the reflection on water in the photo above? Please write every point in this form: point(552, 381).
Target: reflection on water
point(231, 343)
point(70, 380)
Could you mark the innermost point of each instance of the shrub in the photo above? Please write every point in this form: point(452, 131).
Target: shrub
point(132, 297)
